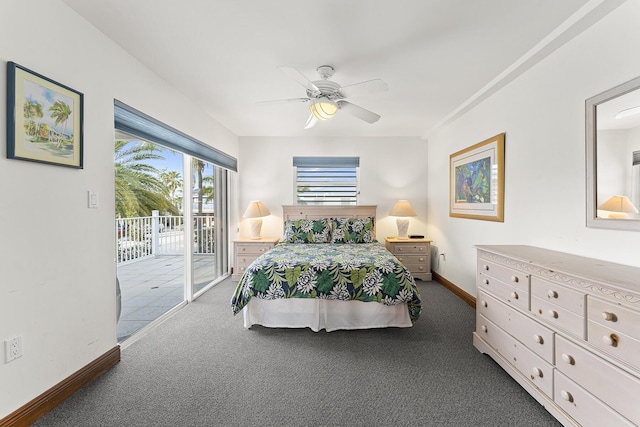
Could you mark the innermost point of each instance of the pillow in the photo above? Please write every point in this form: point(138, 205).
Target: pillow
point(353, 230)
point(307, 231)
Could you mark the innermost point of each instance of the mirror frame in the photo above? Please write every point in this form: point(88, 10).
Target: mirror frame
point(591, 105)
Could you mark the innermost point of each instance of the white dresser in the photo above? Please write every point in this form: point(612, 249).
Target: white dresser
point(567, 328)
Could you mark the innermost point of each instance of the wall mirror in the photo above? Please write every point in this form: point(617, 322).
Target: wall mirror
point(613, 158)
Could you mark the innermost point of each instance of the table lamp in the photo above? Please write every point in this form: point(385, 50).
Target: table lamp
point(402, 209)
point(255, 212)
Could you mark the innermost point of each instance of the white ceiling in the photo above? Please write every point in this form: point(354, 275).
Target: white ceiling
point(435, 55)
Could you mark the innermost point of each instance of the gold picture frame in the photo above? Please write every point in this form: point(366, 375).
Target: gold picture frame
point(44, 119)
point(476, 181)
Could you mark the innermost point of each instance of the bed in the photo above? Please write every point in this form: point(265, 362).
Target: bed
point(328, 272)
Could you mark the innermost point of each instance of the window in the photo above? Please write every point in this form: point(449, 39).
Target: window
point(326, 180)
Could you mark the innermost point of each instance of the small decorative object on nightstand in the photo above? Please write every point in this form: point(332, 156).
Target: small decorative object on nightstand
point(415, 254)
point(402, 209)
point(247, 250)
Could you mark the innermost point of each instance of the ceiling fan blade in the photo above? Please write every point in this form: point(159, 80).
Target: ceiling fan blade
point(359, 112)
point(311, 122)
point(284, 101)
point(364, 88)
point(300, 78)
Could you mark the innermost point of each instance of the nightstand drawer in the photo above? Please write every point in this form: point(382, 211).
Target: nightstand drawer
point(412, 259)
point(408, 248)
point(252, 248)
point(244, 261)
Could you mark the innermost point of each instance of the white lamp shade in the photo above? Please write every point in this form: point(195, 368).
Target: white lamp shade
point(402, 208)
point(256, 209)
point(618, 204)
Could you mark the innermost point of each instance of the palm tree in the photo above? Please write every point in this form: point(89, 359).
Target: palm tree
point(60, 111)
point(173, 181)
point(139, 189)
point(32, 110)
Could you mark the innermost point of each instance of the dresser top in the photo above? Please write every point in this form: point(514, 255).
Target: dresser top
point(616, 275)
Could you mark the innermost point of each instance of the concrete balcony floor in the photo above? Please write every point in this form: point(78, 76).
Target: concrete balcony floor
point(153, 286)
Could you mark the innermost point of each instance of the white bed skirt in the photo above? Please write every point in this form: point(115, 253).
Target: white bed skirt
point(318, 314)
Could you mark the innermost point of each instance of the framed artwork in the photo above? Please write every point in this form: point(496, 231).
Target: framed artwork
point(476, 177)
point(44, 119)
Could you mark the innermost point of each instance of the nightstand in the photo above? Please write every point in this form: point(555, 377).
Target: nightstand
point(415, 254)
point(247, 250)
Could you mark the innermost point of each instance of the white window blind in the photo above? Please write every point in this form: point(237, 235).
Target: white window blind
point(326, 180)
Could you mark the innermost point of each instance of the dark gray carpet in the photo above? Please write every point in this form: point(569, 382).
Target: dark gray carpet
point(202, 368)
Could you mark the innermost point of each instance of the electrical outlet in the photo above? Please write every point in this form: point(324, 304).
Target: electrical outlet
point(13, 348)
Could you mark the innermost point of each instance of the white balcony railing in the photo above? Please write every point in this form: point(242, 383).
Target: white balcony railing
point(146, 237)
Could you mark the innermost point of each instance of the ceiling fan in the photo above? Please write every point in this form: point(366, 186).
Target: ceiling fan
point(326, 97)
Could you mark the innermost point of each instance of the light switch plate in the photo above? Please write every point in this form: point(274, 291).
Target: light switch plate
point(93, 199)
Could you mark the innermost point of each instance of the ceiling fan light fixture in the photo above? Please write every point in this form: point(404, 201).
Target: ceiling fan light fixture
point(628, 112)
point(323, 109)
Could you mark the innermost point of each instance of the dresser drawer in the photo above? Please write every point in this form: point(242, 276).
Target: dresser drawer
point(582, 406)
point(505, 292)
point(252, 248)
point(529, 332)
point(408, 248)
point(608, 383)
point(614, 316)
point(561, 296)
point(533, 367)
point(504, 274)
point(558, 316)
point(615, 343)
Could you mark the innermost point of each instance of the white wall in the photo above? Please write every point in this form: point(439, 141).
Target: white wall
point(542, 113)
point(390, 169)
point(57, 271)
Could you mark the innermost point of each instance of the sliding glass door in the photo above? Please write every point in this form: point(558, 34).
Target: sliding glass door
point(209, 219)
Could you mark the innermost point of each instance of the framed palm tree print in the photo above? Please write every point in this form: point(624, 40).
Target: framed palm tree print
point(476, 179)
point(44, 119)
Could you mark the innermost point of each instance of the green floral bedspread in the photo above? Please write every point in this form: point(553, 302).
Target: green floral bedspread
point(364, 272)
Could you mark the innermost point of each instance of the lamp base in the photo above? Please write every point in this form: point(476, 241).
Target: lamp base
point(403, 228)
point(256, 226)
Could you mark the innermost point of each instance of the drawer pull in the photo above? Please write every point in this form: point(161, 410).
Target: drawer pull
point(553, 314)
point(538, 338)
point(486, 281)
point(261, 249)
point(514, 295)
point(485, 267)
point(537, 372)
point(611, 317)
point(484, 328)
point(566, 358)
point(610, 340)
point(552, 294)
point(515, 279)
point(421, 249)
point(566, 395)
point(483, 303)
